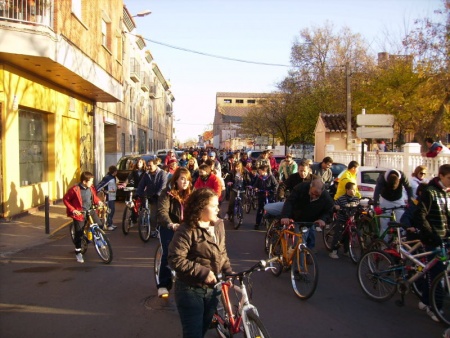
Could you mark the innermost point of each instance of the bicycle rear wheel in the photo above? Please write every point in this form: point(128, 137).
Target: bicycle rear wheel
point(239, 215)
point(247, 203)
point(102, 246)
point(304, 273)
point(157, 263)
point(440, 297)
point(144, 225)
point(376, 275)
point(328, 235)
point(275, 249)
point(126, 220)
point(255, 202)
point(254, 326)
point(355, 246)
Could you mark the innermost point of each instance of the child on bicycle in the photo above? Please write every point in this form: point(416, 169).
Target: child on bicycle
point(79, 199)
point(240, 179)
point(265, 182)
point(341, 204)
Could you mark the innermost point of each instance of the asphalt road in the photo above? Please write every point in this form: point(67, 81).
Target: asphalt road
point(44, 292)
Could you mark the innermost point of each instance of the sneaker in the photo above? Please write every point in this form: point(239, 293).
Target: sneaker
point(431, 314)
point(318, 229)
point(113, 226)
point(333, 254)
point(153, 234)
point(163, 293)
point(110, 228)
point(79, 257)
point(422, 306)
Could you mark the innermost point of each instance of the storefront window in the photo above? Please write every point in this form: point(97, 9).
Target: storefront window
point(33, 147)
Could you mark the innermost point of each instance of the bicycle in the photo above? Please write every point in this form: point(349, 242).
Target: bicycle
point(288, 246)
point(131, 205)
point(93, 232)
point(245, 318)
point(381, 273)
point(251, 200)
point(238, 209)
point(351, 232)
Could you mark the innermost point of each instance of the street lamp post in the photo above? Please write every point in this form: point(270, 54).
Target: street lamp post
point(143, 13)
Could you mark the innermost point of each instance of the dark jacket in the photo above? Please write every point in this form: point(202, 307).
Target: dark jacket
point(193, 253)
point(389, 194)
point(266, 183)
point(152, 186)
point(299, 207)
point(169, 209)
point(432, 216)
point(292, 181)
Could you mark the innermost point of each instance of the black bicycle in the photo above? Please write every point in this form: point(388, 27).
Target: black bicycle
point(238, 209)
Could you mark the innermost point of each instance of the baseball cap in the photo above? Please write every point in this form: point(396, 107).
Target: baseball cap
point(212, 153)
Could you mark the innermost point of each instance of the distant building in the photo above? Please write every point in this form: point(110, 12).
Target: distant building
point(230, 109)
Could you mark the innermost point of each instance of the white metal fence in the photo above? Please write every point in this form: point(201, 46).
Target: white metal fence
point(404, 161)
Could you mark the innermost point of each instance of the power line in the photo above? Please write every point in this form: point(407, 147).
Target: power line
point(213, 55)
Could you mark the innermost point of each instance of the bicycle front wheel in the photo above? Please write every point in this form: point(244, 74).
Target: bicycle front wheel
point(254, 328)
point(158, 257)
point(328, 235)
point(377, 276)
point(440, 297)
point(239, 215)
point(144, 225)
point(275, 249)
point(304, 273)
point(247, 204)
point(126, 221)
point(355, 246)
point(271, 234)
point(102, 246)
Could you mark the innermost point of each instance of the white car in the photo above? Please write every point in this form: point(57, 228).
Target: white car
point(367, 179)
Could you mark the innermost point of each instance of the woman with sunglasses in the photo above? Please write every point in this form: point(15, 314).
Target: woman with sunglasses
point(418, 176)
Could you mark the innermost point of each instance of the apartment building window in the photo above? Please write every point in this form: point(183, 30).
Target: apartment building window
point(227, 101)
point(106, 30)
point(76, 8)
point(239, 101)
point(142, 141)
point(251, 101)
point(33, 145)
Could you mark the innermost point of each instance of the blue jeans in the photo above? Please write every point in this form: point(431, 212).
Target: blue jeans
point(112, 210)
point(165, 274)
point(196, 307)
point(310, 237)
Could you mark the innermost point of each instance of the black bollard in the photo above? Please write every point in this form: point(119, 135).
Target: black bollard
point(47, 215)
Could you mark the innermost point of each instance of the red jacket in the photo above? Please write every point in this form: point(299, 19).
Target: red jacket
point(72, 200)
point(212, 182)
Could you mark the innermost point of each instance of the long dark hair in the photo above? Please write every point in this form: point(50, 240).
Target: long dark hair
point(195, 204)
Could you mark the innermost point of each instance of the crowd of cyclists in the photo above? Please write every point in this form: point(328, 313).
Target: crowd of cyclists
point(299, 191)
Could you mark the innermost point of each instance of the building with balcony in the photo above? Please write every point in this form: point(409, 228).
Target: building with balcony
point(77, 91)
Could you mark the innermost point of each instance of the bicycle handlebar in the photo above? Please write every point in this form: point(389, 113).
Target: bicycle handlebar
point(262, 264)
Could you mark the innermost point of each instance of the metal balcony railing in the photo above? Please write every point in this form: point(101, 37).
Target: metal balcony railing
point(27, 11)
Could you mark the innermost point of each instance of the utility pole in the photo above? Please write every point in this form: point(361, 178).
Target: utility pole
point(349, 106)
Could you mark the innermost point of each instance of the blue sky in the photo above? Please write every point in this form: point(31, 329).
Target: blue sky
point(253, 30)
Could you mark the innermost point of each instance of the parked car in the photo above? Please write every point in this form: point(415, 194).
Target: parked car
point(367, 179)
point(124, 167)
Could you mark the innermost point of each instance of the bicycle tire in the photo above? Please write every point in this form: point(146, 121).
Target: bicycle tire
point(355, 246)
point(271, 234)
point(254, 202)
point(304, 273)
point(144, 225)
point(126, 220)
point(328, 235)
point(255, 326)
point(440, 297)
point(376, 277)
point(247, 204)
point(102, 245)
point(239, 215)
point(275, 249)
point(157, 263)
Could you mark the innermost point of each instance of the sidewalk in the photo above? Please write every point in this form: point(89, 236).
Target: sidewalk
point(28, 230)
